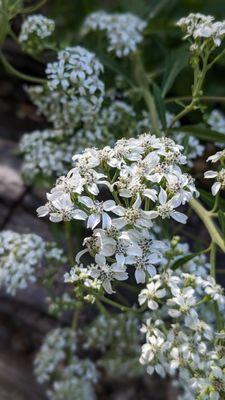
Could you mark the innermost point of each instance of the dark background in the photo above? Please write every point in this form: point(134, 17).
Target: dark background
point(23, 319)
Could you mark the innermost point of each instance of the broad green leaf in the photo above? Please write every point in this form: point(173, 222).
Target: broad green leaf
point(176, 61)
point(201, 132)
point(209, 199)
point(160, 105)
point(184, 259)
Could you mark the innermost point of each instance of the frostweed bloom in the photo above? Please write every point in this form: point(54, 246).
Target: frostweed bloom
point(20, 256)
point(124, 31)
point(57, 364)
point(46, 153)
point(220, 180)
point(117, 337)
point(219, 156)
point(201, 28)
point(141, 181)
point(179, 341)
point(34, 31)
point(76, 73)
point(193, 147)
point(74, 92)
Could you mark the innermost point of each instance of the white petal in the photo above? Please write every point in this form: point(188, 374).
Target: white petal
point(210, 174)
point(215, 188)
point(179, 217)
point(109, 205)
point(93, 221)
point(106, 221)
point(79, 214)
point(162, 196)
point(140, 276)
point(86, 201)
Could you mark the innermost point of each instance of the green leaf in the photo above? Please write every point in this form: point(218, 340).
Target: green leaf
point(221, 218)
point(184, 259)
point(160, 105)
point(209, 199)
point(175, 62)
point(201, 132)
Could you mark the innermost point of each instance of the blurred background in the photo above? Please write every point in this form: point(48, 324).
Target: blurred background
point(23, 319)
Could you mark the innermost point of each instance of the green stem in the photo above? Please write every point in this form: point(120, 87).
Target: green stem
point(9, 68)
point(31, 9)
point(69, 242)
point(113, 303)
point(213, 274)
point(206, 218)
point(142, 81)
point(199, 77)
point(202, 98)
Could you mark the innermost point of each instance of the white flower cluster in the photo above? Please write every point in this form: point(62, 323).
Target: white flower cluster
point(193, 147)
point(200, 27)
point(74, 91)
point(47, 153)
point(34, 30)
point(124, 31)
point(76, 73)
point(178, 341)
point(142, 182)
point(117, 338)
point(218, 175)
point(216, 121)
point(57, 364)
point(20, 256)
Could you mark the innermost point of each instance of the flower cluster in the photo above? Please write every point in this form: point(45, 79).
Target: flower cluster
point(193, 147)
point(142, 182)
point(35, 29)
point(57, 364)
point(76, 73)
point(117, 338)
point(216, 120)
point(124, 31)
point(21, 255)
point(201, 28)
point(46, 153)
point(178, 340)
point(74, 91)
point(218, 175)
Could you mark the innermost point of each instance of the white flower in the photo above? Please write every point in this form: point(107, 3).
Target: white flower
point(35, 29)
point(151, 294)
point(220, 180)
point(199, 26)
point(124, 31)
point(134, 216)
point(21, 255)
point(107, 273)
point(165, 209)
point(46, 153)
point(184, 300)
point(220, 155)
point(98, 212)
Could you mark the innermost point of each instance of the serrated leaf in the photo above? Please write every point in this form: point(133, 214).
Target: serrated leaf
point(175, 62)
point(160, 105)
point(201, 132)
